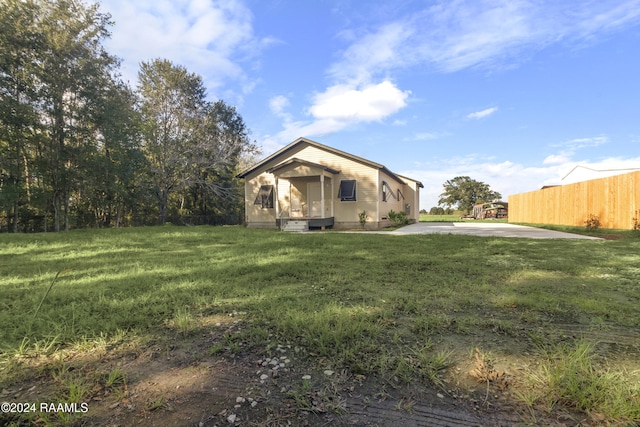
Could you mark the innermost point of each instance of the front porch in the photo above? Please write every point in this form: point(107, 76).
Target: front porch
point(321, 223)
point(304, 192)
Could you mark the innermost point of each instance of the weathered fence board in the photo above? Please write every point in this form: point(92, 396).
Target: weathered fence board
point(614, 200)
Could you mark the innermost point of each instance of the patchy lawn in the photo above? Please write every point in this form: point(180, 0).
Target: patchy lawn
point(210, 325)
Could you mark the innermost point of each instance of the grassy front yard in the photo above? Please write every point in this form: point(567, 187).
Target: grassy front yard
point(402, 309)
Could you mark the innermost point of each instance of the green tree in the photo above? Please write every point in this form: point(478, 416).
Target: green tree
point(435, 210)
point(75, 71)
point(115, 188)
point(172, 104)
point(192, 146)
point(214, 190)
point(465, 192)
point(19, 43)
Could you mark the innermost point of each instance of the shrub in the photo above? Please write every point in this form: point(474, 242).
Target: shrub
point(592, 222)
point(398, 218)
point(362, 218)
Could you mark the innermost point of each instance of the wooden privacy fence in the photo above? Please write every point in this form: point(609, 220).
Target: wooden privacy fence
point(614, 200)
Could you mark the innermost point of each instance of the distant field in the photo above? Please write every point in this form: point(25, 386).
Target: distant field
point(453, 218)
point(407, 308)
point(440, 218)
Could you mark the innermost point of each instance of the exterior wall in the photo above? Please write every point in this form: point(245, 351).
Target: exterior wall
point(345, 213)
point(615, 200)
point(412, 197)
point(415, 206)
point(394, 202)
point(255, 215)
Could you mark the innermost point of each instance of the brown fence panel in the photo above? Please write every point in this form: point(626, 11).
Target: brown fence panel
point(614, 200)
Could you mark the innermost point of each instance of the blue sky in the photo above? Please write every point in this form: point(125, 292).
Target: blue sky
point(514, 93)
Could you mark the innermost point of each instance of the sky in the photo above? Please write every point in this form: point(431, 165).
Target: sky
point(514, 93)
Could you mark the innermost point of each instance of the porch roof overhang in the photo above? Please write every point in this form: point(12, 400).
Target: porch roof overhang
point(295, 162)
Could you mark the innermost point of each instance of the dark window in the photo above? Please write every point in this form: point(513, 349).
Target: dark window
point(265, 197)
point(386, 192)
point(347, 191)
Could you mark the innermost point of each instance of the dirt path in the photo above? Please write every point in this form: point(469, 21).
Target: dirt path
point(171, 392)
point(181, 382)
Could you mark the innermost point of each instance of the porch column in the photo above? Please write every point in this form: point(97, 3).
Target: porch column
point(322, 194)
point(332, 196)
point(275, 199)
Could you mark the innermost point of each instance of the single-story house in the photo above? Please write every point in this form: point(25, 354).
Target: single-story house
point(324, 187)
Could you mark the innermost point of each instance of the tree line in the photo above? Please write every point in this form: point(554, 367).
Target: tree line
point(80, 148)
point(464, 192)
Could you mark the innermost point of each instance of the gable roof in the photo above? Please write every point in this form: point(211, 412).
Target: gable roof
point(307, 141)
point(297, 161)
point(406, 178)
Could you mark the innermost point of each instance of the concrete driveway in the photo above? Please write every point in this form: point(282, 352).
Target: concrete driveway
point(498, 229)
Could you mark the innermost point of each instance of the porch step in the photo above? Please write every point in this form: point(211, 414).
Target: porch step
point(298, 226)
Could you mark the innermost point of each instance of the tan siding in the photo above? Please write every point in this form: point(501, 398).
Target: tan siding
point(284, 197)
point(255, 214)
point(615, 200)
point(412, 196)
point(394, 202)
point(365, 176)
point(368, 187)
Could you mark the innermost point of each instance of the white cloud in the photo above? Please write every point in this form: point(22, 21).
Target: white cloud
point(377, 50)
point(555, 159)
point(350, 104)
point(277, 104)
point(447, 36)
point(453, 35)
point(578, 143)
point(569, 148)
point(339, 107)
point(482, 114)
point(426, 136)
point(595, 18)
point(211, 38)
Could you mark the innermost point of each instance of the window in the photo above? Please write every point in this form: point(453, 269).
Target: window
point(386, 192)
point(265, 197)
point(347, 191)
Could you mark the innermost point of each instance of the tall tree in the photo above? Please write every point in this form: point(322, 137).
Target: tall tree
point(214, 189)
point(113, 189)
point(464, 192)
point(75, 71)
point(19, 43)
point(192, 145)
point(172, 102)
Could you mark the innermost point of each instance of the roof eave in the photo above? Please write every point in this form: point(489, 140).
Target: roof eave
point(302, 162)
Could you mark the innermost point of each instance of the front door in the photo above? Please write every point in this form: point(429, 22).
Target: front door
point(314, 196)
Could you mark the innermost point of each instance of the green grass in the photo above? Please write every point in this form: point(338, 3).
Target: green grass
point(455, 218)
point(569, 375)
point(377, 305)
point(609, 233)
point(440, 218)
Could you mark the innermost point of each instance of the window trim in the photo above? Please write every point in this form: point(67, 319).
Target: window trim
point(265, 197)
point(343, 188)
point(386, 192)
